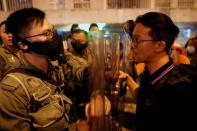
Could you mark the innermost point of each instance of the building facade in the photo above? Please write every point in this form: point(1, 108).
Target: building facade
point(103, 11)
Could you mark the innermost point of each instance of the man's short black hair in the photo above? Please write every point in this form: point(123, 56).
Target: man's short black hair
point(19, 21)
point(162, 27)
point(77, 31)
point(74, 27)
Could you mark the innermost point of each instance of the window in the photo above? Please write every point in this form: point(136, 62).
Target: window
point(18, 4)
point(81, 4)
point(128, 3)
point(185, 3)
point(162, 3)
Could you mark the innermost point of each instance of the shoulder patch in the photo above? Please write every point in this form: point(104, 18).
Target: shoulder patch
point(16, 77)
point(10, 82)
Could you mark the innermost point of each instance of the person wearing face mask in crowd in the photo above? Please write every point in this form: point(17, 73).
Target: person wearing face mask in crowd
point(9, 55)
point(79, 58)
point(31, 97)
point(68, 38)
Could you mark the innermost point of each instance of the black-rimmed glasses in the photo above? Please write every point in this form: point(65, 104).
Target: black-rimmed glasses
point(48, 34)
point(138, 41)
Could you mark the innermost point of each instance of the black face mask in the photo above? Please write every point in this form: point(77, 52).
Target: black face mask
point(78, 46)
point(50, 48)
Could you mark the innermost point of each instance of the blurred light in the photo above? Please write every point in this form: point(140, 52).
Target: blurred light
point(107, 32)
point(184, 35)
point(86, 26)
point(187, 32)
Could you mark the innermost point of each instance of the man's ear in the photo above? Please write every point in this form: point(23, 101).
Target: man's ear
point(22, 46)
point(160, 46)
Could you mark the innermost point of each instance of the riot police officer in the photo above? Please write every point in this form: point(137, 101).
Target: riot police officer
point(30, 98)
point(9, 55)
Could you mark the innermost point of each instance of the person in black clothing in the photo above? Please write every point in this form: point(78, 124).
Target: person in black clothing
point(166, 95)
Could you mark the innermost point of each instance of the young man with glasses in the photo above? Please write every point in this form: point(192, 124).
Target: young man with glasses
point(165, 96)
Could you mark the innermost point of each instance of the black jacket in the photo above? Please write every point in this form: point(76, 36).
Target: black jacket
point(166, 101)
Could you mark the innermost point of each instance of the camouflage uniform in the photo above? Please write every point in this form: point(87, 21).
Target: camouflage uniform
point(76, 70)
point(8, 61)
point(32, 100)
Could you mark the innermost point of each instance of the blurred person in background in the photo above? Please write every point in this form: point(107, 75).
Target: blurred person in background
point(78, 59)
point(9, 55)
point(93, 27)
point(129, 27)
point(67, 39)
point(178, 55)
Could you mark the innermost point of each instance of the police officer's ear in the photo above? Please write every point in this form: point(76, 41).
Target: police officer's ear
point(160, 46)
point(17, 42)
point(22, 46)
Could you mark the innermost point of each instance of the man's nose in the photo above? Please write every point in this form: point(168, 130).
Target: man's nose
point(9, 34)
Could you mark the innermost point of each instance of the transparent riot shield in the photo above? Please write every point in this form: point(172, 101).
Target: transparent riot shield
point(97, 82)
point(111, 55)
point(112, 64)
point(128, 64)
point(106, 49)
point(126, 101)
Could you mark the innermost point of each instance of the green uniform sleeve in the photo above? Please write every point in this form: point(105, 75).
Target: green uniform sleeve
point(13, 108)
